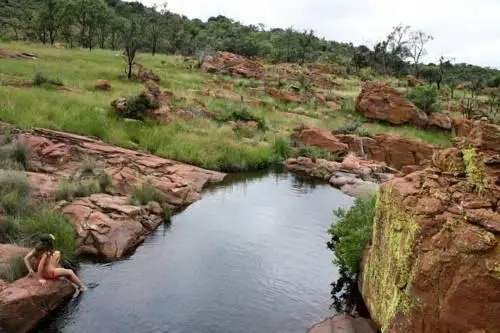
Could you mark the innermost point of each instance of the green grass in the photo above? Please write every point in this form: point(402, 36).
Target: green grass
point(204, 142)
point(351, 233)
point(146, 193)
point(14, 270)
point(14, 191)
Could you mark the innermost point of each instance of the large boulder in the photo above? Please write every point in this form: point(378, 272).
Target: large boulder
point(396, 151)
point(323, 139)
point(103, 85)
point(109, 226)
point(232, 64)
point(480, 134)
point(434, 261)
point(25, 302)
point(145, 74)
point(413, 81)
point(440, 120)
point(379, 101)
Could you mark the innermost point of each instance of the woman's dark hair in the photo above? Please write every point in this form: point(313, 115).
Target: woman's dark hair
point(45, 244)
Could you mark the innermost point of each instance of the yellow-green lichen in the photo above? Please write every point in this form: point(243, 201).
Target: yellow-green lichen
point(475, 170)
point(388, 271)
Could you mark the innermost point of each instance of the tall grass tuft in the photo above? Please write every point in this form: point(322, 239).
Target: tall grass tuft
point(14, 191)
point(146, 193)
point(14, 270)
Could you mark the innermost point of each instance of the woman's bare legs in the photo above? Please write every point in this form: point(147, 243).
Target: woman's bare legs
point(68, 273)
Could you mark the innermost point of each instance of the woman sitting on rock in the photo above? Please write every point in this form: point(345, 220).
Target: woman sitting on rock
point(47, 262)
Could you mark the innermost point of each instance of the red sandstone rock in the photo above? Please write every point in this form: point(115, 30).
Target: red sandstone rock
point(379, 101)
point(322, 138)
point(232, 64)
point(395, 151)
point(413, 81)
point(146, 75)
point(440, 120)
point(25, 302)
point(103, 85)
point(283, 96)
point(440, 268)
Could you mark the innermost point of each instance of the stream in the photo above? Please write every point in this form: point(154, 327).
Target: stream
point(249, 257)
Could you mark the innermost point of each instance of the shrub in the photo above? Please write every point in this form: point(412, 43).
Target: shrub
point(314, 153)
point(137, 106)
point(474, 168)
point(348, 128)
point(14, 270)
point(14, 156)
point(167, 213)
point(70, 189)
point(282, 148)
point(14, 191)
point(425, 98)
point(239, 113)
point(45, 220)
point(352, 232)
point(40, 79)
point(146, 193)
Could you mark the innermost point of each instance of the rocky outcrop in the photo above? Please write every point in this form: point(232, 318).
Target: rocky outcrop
point(103, 85)
point(434, 261)
point(379, 101)
point(343, 324)
point(479, 134)
point(25, 302)
point(440, 120)
point(146, 75)
point(395, 151)
point(4, 53)
point(232, 64)
point(413, 81)
point(353, 176)
point(283, 96)
point(323, 139)
point(158, 100)
point(107, 225)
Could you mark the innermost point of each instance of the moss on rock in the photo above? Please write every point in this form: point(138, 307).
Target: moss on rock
point(388, 274)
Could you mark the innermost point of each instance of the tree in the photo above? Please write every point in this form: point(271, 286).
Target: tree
point(417, 42)
point(67, 22)
point(50, 19)
point(88, 15)
point(305, 41)
point(104, 22)
point(133, 32)
point(156, 25)
point(361, 57)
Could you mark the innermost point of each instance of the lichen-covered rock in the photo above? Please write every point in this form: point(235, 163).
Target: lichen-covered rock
point(283, 96)
point(450, 160)
point(146, 75)
point(413, 81)
point(379, 101)
point(434, 261)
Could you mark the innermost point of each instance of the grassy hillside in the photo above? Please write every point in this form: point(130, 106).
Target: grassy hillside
point(200, 141)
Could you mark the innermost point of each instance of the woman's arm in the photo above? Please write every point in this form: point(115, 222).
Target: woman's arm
point(27, 262)
point(41, 265)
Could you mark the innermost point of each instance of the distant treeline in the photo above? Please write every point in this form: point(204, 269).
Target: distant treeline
point(107, 24)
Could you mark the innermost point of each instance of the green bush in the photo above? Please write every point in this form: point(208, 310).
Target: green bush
point(234, 112)
point(40, 79)
point(137, 106)
point(14, 191)
point(14, 156)
point(282, 148)
point(348, 128)
point(146, 193)
point(44, 220)
point(425, 98)
point(70, 189)
point(314, 153)
point(14, 270)
point(351, 233)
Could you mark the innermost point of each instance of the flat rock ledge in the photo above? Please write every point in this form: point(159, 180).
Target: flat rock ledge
point(354, 176)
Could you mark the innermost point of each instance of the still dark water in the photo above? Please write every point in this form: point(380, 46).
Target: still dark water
point(249, 257)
